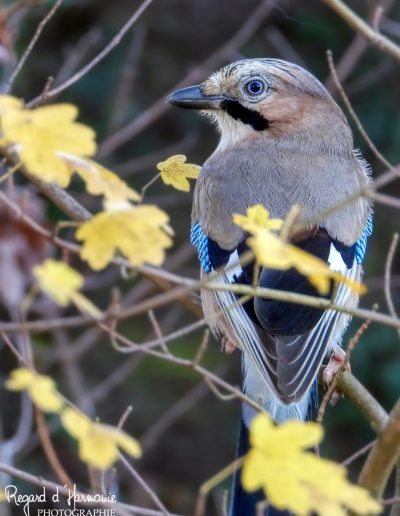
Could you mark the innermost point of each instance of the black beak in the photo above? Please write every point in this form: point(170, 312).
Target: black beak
point(193, 98)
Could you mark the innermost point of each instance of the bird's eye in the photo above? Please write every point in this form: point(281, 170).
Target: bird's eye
point(256, 87)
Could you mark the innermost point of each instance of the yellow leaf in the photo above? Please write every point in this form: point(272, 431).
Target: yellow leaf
point(41, 135)
point(257, 217)
point(9, 102)
point(97, 449)
point(101, 181)
point(139, 233)
point(128, 444)
point(294, 478)
point(75, 423)
point(98, 443)
point(271, 251)
point(41, 389)
point(20, 379)
point(175, 172)
point(61, 282)
point(58, 280)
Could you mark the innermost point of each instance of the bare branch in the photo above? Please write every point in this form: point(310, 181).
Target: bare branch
point(375, 38)
point(226, 51)
point(383, 456)
point(367, 404)
point(353, 114)
point(99, 57)
point(32, 43)
point(140, 480)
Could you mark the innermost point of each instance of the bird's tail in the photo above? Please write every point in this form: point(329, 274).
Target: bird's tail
point(243, 503)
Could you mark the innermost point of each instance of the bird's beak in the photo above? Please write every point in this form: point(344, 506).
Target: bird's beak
point(194, 98)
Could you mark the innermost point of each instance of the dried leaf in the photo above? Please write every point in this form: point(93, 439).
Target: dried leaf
point(62, 283)
point(41, 389)
point(98, 443)
point(295, 479)
point(175, 172)
point(139, 233)
point(41, 135)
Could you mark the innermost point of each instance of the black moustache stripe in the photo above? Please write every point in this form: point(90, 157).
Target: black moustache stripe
point(247, 116)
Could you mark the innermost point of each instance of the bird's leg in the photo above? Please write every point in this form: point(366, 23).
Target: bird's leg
point(227, 346)
point(337, 361)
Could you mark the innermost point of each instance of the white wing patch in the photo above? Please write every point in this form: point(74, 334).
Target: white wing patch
point(258, 365)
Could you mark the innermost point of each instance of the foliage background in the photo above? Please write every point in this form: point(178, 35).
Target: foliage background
point(172, 38)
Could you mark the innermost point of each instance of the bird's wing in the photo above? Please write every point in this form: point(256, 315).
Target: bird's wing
point(299, 357)
point(286, 342)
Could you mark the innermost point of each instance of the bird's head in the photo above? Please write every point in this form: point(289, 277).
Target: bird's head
point(266, 98)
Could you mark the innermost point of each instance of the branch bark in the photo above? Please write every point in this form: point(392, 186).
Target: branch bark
point(383, 456)
point(372, 36)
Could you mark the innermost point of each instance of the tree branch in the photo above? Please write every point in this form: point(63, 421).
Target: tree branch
point(383, 456)
point(358, 394)
point(373, 36)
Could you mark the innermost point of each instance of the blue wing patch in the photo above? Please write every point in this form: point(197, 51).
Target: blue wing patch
point(200, 241)
point(211, 256)
point(361, 244)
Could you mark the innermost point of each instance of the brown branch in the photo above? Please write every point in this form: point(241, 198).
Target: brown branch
point(345, 364)
point(353, 114)
point(32, 43)
point(388, 272)
point(383, 456)
point(373, 37)
point(359, 453)
point(366, 403)
point(140, 480)
point(99, 57)
point(226, 51)
point(49, 450)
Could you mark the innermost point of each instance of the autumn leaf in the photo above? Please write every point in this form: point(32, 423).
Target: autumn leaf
point(40, 136)
point(98, 443)
point(101, 181)
point(9, 102)
point(139, 233)
point(295, 479)
point(41, 389)
point(257, 218)
point(272, 251)
point(175, 172)
point(62, 283)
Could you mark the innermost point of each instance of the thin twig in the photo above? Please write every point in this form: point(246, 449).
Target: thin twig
point(345, 364)
point(375, 38)
point(226, 51)
point(359, 453)
point(31, 45)
point(99, 57)
point(145, 486)
point(387, 276)
point(353, 114)
point(49, 450)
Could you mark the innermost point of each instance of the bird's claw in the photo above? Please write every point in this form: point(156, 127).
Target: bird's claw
point(227, 346)
point(337, 361)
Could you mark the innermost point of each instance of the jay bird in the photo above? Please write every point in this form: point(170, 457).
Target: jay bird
point(283, 141)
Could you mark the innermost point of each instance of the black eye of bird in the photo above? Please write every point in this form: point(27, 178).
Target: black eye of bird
point(255, 87)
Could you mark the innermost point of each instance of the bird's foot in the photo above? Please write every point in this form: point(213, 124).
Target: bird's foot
point(227, 346)
point(337, 361)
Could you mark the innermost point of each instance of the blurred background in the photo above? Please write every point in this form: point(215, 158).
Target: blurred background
point(187, 433)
